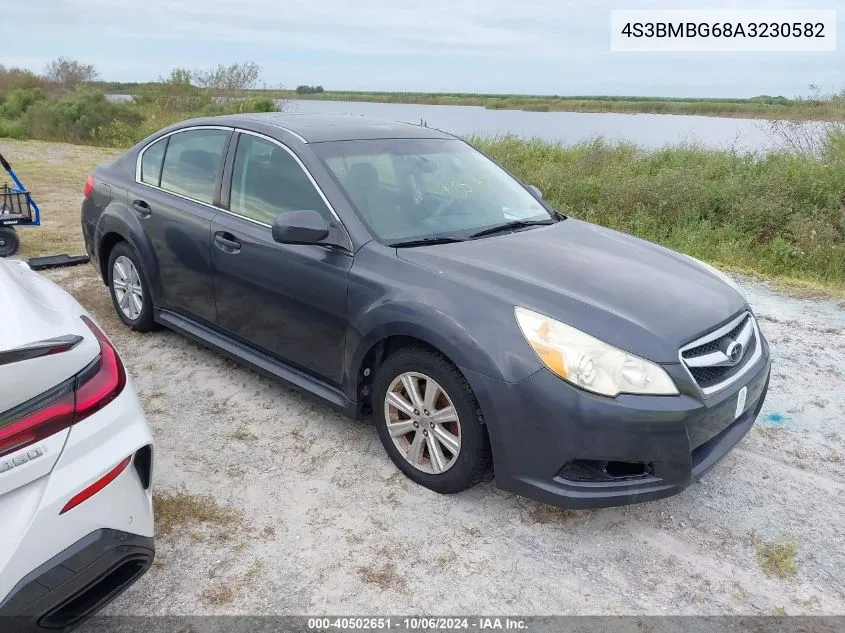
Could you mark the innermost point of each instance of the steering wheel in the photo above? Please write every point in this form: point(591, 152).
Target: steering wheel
point(438, 211)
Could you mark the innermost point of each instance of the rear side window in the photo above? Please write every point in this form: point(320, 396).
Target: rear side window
point(267, 180)
point(191, 163)
point(151, 162)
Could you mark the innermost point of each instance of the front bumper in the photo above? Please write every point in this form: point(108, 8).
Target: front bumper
point(566, 447)
point(77, 582)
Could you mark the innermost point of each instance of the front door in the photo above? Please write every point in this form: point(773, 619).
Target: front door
point(286, 300)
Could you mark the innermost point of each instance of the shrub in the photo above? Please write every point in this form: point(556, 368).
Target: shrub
point(172, 95)
point(66, 74)
point(17, 102)
point(779, 214)
point(12, 129)
point(309, 90)
point(118, 134)
point(254, 104)
point(228, 82)
point(240, 106)
point(19, 78)
point(77, 117)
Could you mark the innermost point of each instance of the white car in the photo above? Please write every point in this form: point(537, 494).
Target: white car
point(76, 458)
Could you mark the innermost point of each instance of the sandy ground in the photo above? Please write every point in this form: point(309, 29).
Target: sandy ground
point(319, 521)
point(269, 503)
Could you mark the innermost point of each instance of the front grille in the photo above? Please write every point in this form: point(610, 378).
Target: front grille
point(713, 346)
point(717, 359)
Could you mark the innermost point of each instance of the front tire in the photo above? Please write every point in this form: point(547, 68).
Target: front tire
point(429, 421)
point(129, 289)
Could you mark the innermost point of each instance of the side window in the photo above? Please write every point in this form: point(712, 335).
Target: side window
point(191, 163)
point(151, 162)
point(267, 180)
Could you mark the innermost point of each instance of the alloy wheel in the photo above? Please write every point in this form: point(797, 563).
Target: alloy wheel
point(127, 287)
point(422, 422)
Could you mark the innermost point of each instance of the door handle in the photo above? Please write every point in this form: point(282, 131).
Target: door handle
point(141, 208)
point(227, 242)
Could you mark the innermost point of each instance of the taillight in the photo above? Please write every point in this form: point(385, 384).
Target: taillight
point(97, 390)
point(65, 405)
point(36, 420)
point(89, 186)
point(98, 485)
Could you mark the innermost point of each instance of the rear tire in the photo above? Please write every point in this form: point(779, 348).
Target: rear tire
point(9, 241)
point(429, 421)
point(129, 289)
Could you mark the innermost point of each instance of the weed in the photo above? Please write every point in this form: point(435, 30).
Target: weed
point(218, 595)
point(253, 570)
point(544, 514)
point(177, 509)
point(777, 558)
point(243, 434)
point(445, 560)
point(383, 576)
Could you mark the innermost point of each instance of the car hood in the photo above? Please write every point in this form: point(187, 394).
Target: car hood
point(634, 294)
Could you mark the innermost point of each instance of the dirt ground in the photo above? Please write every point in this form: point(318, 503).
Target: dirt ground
point(269, 503)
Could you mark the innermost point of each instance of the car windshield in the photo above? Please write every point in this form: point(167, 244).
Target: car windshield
point(418, 189)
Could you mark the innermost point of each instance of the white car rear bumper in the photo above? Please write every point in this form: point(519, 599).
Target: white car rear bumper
point(48, 557)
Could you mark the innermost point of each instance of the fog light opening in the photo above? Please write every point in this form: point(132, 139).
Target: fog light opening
point(600, 470)
point(626, 469)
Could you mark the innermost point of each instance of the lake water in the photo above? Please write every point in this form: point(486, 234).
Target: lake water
point(646, 130)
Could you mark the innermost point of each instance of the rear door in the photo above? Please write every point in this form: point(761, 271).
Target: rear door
point(177, 190)
point(287, 300)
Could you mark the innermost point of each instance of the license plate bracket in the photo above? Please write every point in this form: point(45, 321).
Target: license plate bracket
point(741, 397)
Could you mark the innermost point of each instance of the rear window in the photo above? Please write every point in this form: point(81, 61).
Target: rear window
point(191, 163)
point(151, 162)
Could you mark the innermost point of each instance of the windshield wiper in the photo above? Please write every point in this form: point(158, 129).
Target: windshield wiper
point(510, 226)
point(426, 241)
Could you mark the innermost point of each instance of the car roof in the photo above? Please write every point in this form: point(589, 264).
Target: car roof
point(321, 128)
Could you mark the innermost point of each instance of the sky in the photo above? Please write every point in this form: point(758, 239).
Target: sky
point(502, 46)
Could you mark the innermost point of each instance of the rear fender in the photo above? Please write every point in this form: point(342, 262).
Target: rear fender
point(118, 220)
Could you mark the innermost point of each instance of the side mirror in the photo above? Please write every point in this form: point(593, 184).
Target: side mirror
point(300, 227)
point(536, 191)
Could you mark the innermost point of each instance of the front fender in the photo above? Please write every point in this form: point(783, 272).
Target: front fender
point(483, 347)
point(118, 219)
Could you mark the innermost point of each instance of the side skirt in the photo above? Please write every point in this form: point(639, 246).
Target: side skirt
point(256, 360)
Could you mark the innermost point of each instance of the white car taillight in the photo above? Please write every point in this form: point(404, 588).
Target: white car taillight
point(68, 403)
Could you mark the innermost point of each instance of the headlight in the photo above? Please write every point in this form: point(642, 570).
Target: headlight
point(589, 363)
point(718, 273)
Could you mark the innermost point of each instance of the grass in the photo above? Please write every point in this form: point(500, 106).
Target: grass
point(777, 559)
point(243, 434)
point(178, 509)
point(780, 216)
point(218, 595)
point(543, 514)
point(384, 576)
point(55, 173)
